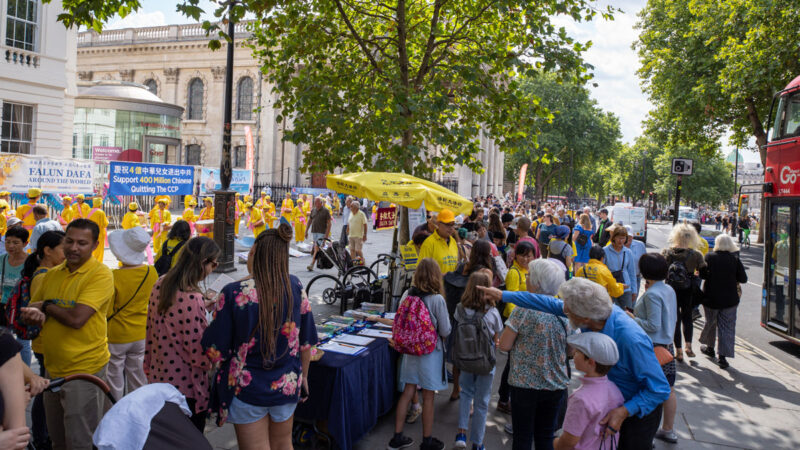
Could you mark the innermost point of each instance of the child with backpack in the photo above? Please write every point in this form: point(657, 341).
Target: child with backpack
point(420, 326)
point(478, 327)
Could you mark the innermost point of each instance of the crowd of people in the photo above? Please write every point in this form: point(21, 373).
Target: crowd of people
point(541, 284)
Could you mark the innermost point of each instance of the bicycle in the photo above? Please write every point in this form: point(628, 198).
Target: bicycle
point(746, 239)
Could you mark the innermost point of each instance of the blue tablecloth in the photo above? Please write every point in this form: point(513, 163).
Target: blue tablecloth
point(351, 392)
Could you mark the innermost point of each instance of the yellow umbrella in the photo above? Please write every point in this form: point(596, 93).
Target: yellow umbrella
point(402, 189)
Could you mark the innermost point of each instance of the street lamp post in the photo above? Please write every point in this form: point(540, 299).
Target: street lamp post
point(224, 199)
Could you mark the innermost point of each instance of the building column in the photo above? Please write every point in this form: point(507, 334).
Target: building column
point(171, 78)
point(484, 158)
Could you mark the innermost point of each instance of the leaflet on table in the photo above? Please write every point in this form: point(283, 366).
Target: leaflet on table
point(353, 339)
point(382, 325)
point(342, 319)
point(338, 347)
point(372, 332)
point(389, 316)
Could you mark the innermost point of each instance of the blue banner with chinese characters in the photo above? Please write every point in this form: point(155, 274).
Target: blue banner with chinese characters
point(131, 178)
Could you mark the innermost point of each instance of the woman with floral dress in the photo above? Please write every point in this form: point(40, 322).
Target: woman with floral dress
point(262, 337)
point(176, 319)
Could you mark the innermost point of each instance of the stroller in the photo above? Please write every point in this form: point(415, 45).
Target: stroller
point(333, 254)
point(353, 281)
point(126, 426)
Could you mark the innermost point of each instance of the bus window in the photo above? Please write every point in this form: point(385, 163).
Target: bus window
point(787, 120)
point(779, 266)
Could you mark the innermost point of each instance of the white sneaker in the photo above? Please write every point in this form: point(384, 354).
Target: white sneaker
point(667, 436)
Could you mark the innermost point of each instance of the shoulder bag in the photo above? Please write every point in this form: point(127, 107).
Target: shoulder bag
point(132, 296)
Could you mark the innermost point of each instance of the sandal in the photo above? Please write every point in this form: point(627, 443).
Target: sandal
point(679, 355)
point(690, 353)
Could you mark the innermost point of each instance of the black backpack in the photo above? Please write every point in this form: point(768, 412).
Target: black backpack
point(678, 276)
point(582, 240)
point(164, 262)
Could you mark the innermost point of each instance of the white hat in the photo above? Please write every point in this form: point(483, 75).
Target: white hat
point(597, 346)
point(630, 230)
point(129, 245)
point(13, 221)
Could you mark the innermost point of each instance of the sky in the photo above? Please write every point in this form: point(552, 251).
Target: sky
point(615, 62)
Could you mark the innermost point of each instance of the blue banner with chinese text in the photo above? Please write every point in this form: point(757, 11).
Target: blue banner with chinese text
point(131, 178)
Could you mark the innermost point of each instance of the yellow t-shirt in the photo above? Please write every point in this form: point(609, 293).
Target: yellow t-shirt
point(171, 243)
point(356, 224)
point(129, 324)
point(3, 225)
point(68, 351)
point(255, 217)
point(703, 247)
point(515, 281)
point(130, 220)
point(599, 273)
point(25, 214)
point(445, 253)
point(36, 282)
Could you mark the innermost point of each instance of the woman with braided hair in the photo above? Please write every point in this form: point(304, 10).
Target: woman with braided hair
point(262, 336)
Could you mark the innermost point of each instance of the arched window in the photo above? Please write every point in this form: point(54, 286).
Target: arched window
point(244, 99)
point(152, 86)
point(194, 110)
point(193, 154)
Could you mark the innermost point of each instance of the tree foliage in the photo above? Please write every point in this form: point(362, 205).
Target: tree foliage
point(377, 84)
point(712, 66)
point(578, 139)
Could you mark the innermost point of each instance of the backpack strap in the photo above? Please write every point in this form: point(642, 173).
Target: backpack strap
point(132, 296)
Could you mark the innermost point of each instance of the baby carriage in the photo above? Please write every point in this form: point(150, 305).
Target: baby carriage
point(154, 416)
point(353, 281)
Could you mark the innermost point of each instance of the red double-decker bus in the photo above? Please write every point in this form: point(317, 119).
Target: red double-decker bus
point(780, 303)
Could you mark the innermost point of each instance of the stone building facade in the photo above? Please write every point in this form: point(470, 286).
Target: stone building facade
point(37, 79)
point(175, 62)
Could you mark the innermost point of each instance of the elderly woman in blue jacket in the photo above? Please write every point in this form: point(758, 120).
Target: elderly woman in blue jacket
point(621, 262)
point(637, 374)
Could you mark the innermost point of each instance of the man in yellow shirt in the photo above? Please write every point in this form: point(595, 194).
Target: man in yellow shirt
point(3, 220)
point(9, 213)
point(441, 245)
point(255, 221)
point(25, 212)
point(239, 204)
point(71, 307)
point(68, 213)
point(81, 208)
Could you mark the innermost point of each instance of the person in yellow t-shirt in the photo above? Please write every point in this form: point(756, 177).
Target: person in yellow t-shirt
point(127, 312)
point(268, 214)
point(9, 213)
point(25, 212)
point(188, 213)
point(98, 216)
point(239, 204)
point(3, 220)
point(50, 253)
point(524, 253)
point(299, 221)
point(180, 232)
point(441, 245)
point(207, 213)
point(71, 306)
point(597, 271)
point(287, 207)
point(68, 213)
point(80, 208)
point(131, 218)
point(160, 222)
point(255, 221)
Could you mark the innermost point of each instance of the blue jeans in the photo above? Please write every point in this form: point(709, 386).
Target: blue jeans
point(477, 389)
point(25, 353)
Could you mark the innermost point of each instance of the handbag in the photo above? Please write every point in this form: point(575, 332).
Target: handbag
point(618, 274)
point(663, 355)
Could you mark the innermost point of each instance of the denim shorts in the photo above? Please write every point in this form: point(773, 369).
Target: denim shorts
point(317, 237)
point(242, 413)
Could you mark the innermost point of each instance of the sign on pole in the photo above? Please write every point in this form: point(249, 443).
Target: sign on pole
point(682, 166)
point(130, 178)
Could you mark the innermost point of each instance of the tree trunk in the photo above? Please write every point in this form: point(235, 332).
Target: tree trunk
point(761, 141)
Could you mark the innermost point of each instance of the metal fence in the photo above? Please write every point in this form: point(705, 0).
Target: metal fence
point(278, 190)
point(449, 184)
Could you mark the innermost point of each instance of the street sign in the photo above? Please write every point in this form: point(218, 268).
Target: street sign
point(682, 166)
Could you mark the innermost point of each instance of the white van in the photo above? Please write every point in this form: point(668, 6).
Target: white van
point(635, 216)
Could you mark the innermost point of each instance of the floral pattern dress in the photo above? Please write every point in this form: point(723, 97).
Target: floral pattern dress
point(234, 341)
point(540, 350)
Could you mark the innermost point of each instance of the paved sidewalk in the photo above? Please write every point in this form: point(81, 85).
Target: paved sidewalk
point(754, 404)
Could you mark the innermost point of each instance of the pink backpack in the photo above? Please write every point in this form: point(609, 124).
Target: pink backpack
point(413, 330)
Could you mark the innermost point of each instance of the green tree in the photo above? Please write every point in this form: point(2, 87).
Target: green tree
point(573, 144)
point(712, 66)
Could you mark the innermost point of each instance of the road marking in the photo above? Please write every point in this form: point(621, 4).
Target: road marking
point(754, 284)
